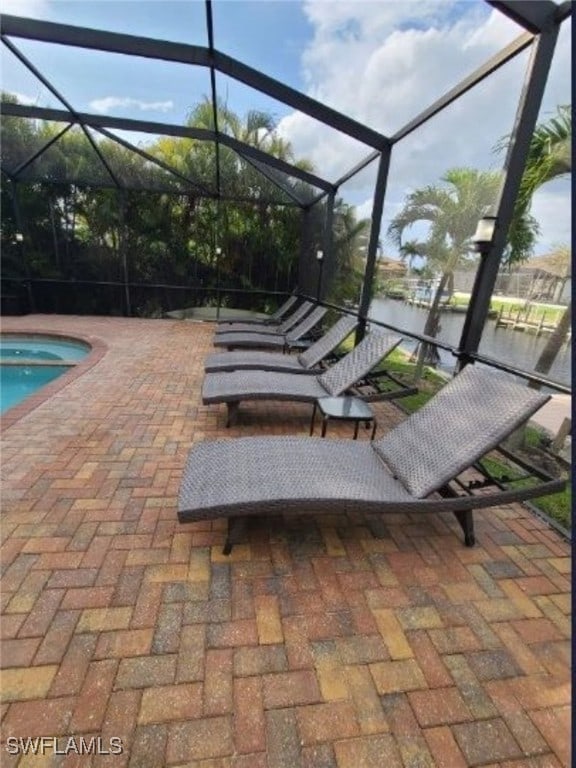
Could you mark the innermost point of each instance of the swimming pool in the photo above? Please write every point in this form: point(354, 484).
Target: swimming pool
point(38, 348)
point(29, 362)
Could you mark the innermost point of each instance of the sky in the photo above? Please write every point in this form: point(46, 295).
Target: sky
point(381, 62)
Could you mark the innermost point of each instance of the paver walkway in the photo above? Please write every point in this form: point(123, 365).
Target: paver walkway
point(314, 644)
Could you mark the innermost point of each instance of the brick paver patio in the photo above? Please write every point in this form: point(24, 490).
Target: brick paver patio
point(315, 644)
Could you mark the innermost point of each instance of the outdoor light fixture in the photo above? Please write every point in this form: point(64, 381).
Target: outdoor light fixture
point(19, 237)
point(218, 251)
point(320, 260)
point(484, 234)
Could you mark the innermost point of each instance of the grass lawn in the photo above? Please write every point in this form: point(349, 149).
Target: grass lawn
point(511, 305)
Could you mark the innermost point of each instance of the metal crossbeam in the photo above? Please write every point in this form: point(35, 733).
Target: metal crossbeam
point(533, 15)
point(114, 42)
point(165, 129)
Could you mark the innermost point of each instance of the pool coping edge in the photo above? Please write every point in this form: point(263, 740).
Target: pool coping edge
point(98, 349)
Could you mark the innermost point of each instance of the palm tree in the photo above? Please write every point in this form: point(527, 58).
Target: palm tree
point(260, 245)
point(349, 235)
point(410, 250)
point(451, 213)
point(549, 158)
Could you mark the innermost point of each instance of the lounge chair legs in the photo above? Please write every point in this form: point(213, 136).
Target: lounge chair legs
point(236, 529)
point(466, 520)
point(232, 411)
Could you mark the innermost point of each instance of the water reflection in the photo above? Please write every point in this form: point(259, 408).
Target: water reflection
point(515, 348)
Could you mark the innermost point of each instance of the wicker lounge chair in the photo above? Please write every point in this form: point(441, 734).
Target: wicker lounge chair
point(274, 319)
point(286, 325)
point(277, 340)
point(306, 362)
point(234, 386)
point(402, 472)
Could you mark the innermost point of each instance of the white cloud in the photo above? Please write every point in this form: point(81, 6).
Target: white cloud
point(383, 74)
point(35, 9)
point(552, 210)
point(364, 209)
point(23, 98)
point(108, 103)
point(384, 63)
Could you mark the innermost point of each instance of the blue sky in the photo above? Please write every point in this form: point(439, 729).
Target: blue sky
point(379, 61)
point(266, 35)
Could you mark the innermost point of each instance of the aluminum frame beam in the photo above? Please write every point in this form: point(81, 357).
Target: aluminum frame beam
point(245, 151)
point(533, 15)
point(29, 160)
point(210, 31)
point(28, 64)
point(182, 131)
point(481, 73)
point(151, 159)
point(372, 252)
point(525, 123)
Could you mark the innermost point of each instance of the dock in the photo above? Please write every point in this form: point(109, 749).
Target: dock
point(525, 320)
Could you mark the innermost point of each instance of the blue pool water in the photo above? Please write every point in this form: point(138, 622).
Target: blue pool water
point(19, 381)
point(31, 362)
point(40, 349)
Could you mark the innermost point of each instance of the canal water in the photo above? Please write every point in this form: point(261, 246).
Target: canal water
point(515, 348)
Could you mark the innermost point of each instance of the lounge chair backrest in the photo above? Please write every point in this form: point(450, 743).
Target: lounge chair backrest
point(357, 363)
point(307, 324)
point(328, 342)
point(295, 317)
point(282, 310)
point(470, 415)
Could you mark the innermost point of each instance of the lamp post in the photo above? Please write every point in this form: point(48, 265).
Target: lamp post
point(475, 318)
point(218, 252)
point(484, 234)
point(19, 240)
point(320, 260)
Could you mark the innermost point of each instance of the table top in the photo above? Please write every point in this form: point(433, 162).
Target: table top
point(346, 407)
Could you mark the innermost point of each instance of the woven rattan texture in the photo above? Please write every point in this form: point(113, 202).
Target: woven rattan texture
point(468, 417)
point(273, 361)
point(328, 341)
point(306, 325)
point(275, 318)
point(229, 477)
point(270, 361)
point(235, 386)
point(284, 327)
point(252, 339)
point(254, 360)
point(357, 363)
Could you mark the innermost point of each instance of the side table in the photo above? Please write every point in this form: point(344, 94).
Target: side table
point(346, 408)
